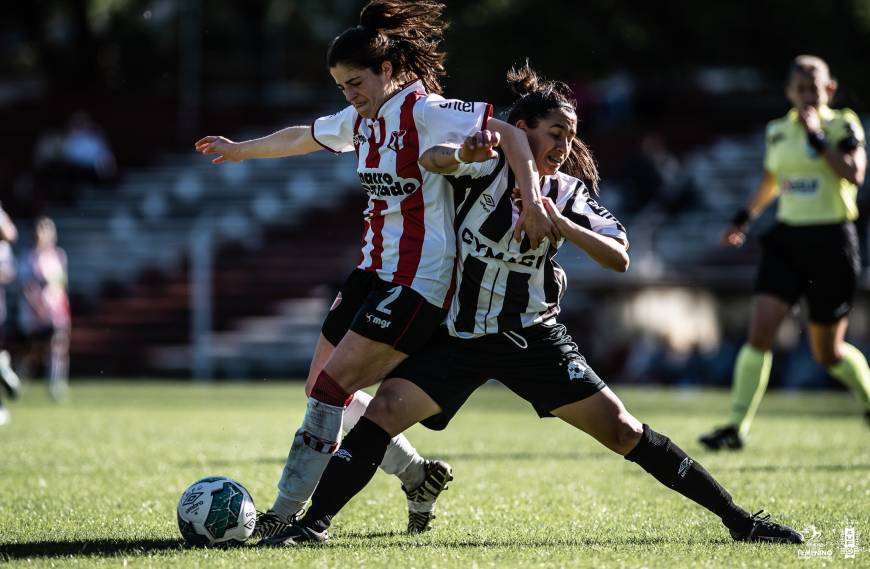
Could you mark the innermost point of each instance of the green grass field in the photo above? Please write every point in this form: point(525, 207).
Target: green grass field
point(94, 482)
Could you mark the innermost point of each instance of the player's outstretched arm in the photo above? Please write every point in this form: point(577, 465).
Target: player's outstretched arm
point(446, 158)
point(609, 252)
point(735, 234)
point(290, 141)
point(533, 219)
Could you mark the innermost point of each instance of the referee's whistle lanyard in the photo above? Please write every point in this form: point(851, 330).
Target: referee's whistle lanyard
point(514, 337)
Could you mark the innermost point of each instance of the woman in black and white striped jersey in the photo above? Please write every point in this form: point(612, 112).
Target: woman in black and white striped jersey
point(502, 322)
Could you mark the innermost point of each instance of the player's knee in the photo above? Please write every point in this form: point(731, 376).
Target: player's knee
point(627, 433)
point(383, 410)
point(379, 409)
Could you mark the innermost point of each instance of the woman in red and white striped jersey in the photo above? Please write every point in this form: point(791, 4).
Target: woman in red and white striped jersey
point(388, 68)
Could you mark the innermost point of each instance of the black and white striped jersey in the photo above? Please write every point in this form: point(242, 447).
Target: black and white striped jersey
point(504, 285)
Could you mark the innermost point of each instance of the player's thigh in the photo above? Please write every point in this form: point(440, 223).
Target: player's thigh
point(448, 370)
point(348, 302)
point(826, 340)
point(768, 312)
point(604, 417)
point(358, 362)
point(833, 274)
point(400, 404)
point(322, 352)
point(778, 285)
point(544, 366)
point(394, 321)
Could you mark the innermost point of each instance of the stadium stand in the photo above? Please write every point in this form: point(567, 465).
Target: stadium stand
point(134, 247)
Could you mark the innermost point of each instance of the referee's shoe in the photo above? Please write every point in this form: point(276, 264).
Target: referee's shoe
point(727, 438)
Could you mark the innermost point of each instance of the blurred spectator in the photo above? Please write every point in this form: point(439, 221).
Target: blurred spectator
point(44, 314)
point(11, 385)
point(86, 151)
point(50, 181)
point(657, 179)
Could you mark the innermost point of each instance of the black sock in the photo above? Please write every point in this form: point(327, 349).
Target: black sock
point(348, 471)
point(667, 462)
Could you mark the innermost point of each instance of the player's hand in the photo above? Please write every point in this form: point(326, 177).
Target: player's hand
point(226, 149)
point(536, 224)
point(555, 215)
point(809, 118)
point(480, 146)
point(733, 236)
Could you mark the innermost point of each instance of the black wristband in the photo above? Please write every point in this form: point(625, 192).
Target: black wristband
point(740, 218)
point(817, 141)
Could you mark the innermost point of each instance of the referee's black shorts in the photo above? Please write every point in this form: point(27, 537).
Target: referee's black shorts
point(820, 262)
point(384, 312)
point(541, 364)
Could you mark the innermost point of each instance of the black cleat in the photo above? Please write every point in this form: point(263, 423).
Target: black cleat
point(269, 524)
point(762, 529)
point(295, 534)
point(722, 438)
point(421, 500)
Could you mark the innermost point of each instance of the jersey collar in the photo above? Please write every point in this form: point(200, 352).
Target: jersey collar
point(395, 100)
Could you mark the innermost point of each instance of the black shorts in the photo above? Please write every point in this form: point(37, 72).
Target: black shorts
point(385, 312)
point(541, 364)
point(820, 262)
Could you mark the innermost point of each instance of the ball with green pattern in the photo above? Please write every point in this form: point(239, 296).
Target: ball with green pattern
point(216, 510)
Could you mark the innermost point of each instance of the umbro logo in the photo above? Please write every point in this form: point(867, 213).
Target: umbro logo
point(191, 498)
point(487, 202)
point(358, 139)
point(343, 454)
point(684, 467)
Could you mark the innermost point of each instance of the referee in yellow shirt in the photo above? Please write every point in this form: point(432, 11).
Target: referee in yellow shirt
point(814, 162)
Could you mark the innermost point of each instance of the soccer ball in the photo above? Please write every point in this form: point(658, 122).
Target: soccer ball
point(216, 510)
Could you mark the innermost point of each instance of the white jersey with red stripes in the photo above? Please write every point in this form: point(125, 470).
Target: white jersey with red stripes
point(408, 237)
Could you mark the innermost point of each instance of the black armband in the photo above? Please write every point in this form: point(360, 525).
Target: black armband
point(818, 141)
point(740, 218)
point(849, 144)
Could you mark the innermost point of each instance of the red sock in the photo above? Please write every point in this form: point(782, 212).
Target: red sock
point(326, 390)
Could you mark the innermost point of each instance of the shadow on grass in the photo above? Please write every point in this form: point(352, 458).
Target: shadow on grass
point(351, 540)
point(98, 547)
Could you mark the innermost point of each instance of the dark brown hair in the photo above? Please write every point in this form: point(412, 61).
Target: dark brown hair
point(538, 98)
point(809, 64)
point(404, 32)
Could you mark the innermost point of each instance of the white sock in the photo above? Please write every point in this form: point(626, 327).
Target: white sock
point(7, 372)
point(313, 445)
point(401, 457)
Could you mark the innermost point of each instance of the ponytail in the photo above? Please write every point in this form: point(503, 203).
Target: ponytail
point(404, 32)
point(537, 98)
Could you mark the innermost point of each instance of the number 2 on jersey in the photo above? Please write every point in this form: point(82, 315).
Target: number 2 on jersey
point(392, 296)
